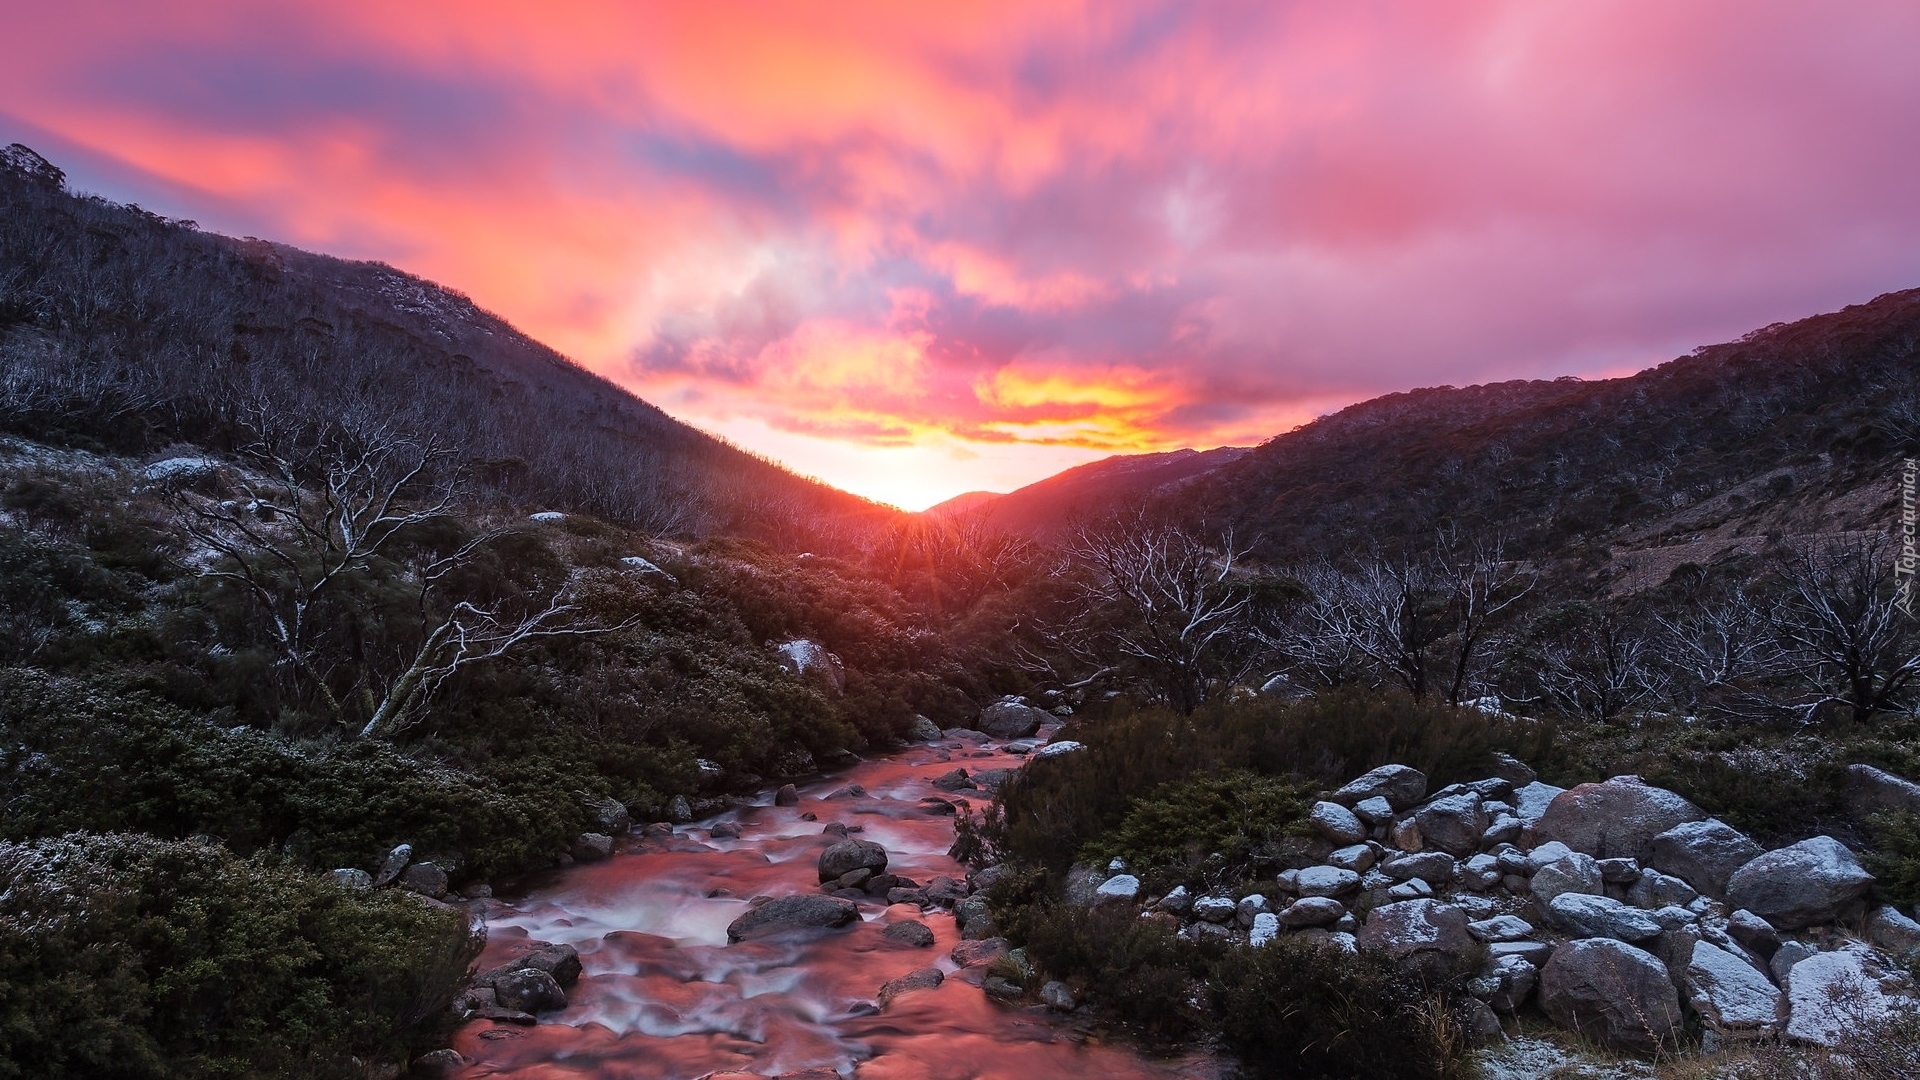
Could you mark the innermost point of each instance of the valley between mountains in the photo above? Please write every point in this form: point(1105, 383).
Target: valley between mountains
point(382, 694)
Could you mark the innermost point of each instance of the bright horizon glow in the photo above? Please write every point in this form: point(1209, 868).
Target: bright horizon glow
point(916, 253)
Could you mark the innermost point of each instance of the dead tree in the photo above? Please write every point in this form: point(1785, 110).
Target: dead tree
point(1842, 633)
point(1319, 639)
point(1157, 598)
point(1599, 666)
point(1716, 654)
point(314, 518)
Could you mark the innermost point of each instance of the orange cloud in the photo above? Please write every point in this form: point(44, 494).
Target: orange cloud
point(1055, 228)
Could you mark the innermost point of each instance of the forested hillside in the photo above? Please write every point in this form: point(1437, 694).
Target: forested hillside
point(129, 331)
point(1769, 433)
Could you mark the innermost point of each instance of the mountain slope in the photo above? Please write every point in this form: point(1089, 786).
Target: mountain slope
point(1086, 493)
point(129, 331)
point(1792, 429)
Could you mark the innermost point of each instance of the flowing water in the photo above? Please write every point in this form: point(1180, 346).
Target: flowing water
point(663, 995)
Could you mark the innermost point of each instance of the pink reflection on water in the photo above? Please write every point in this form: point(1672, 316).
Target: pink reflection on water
point(664, 997)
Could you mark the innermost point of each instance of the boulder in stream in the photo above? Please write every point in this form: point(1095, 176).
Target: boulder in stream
point(794, 913)
point(849, 855)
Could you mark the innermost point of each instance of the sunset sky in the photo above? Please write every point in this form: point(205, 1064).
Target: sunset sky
point(918, 249)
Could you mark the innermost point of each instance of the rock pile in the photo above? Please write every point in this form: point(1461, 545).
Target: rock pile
point(1620, 908)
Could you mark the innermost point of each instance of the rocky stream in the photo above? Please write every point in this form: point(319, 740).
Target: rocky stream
point(892, 994)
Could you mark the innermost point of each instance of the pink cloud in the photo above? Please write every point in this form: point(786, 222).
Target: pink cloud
point(1112, 226)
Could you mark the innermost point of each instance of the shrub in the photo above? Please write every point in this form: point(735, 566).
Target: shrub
point(125, 956)
point(1059, 806)
point(1893, 856)
point(1299, 1009)
point(1291, 1009)
point(1138, 969)
point(1180, 823)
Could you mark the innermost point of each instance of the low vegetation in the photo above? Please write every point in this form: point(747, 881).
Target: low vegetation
point(122, 955)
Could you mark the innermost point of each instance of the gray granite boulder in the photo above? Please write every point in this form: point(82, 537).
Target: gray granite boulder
point(1010, 719)
point(1337, 823)
point(1731, 996)
point(1585, 916)
point(793, 913)
point(1453, 824)
point(1401, 785)
point(1832, 994)
point(1868, 791)
point(1814, 881)
point(1704, 854)
point(1421, 933)
point(849, 855)
point(1615, 818)
point(1620, 996)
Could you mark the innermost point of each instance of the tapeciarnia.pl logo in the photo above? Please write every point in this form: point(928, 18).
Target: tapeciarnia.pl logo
point(1905, 563)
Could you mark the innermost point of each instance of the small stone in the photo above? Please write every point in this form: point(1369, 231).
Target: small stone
point(1266, 926)
point(787, 795)
point(1754, 933)
point(1358, 858)
point(1374, 811)
point(724, 830)
point(971, 954)
point(1430, 866)
point(1405, 835)
point(1656, 890)
point(438, 1063)
point(1586, 916)
point(1177, 902)
point(390, 869)
point(1411, 889)
point(529, 990)
point(1214, 909)
point(1311, 911)
point(920, 979)
point(1249, 908)
point(1337, 823)
point(1055, 995)
point(1501, 928)
point(1619, 871)
point(1326, 881)
point(1453, 824)
point(1892, 931)
point(915, 934)
point(352, 877)
point(1575, 873)
point(1789, 954)
point(1118, 887)
point(1534, 952)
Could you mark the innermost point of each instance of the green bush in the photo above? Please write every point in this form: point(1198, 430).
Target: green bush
point(1063, 805)
point(1179, 824)
point(1138, 969)
point(1299, 1009)
point(1893, 856)
point(1291, 1009)
point(126, 956)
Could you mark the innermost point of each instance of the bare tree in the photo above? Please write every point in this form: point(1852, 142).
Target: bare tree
point(1158, 598)
point(1483, 586)
point(1599, 666)
point(1716, 653)
point(317, 516)
point(1319, 638)
point(1841, 632)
